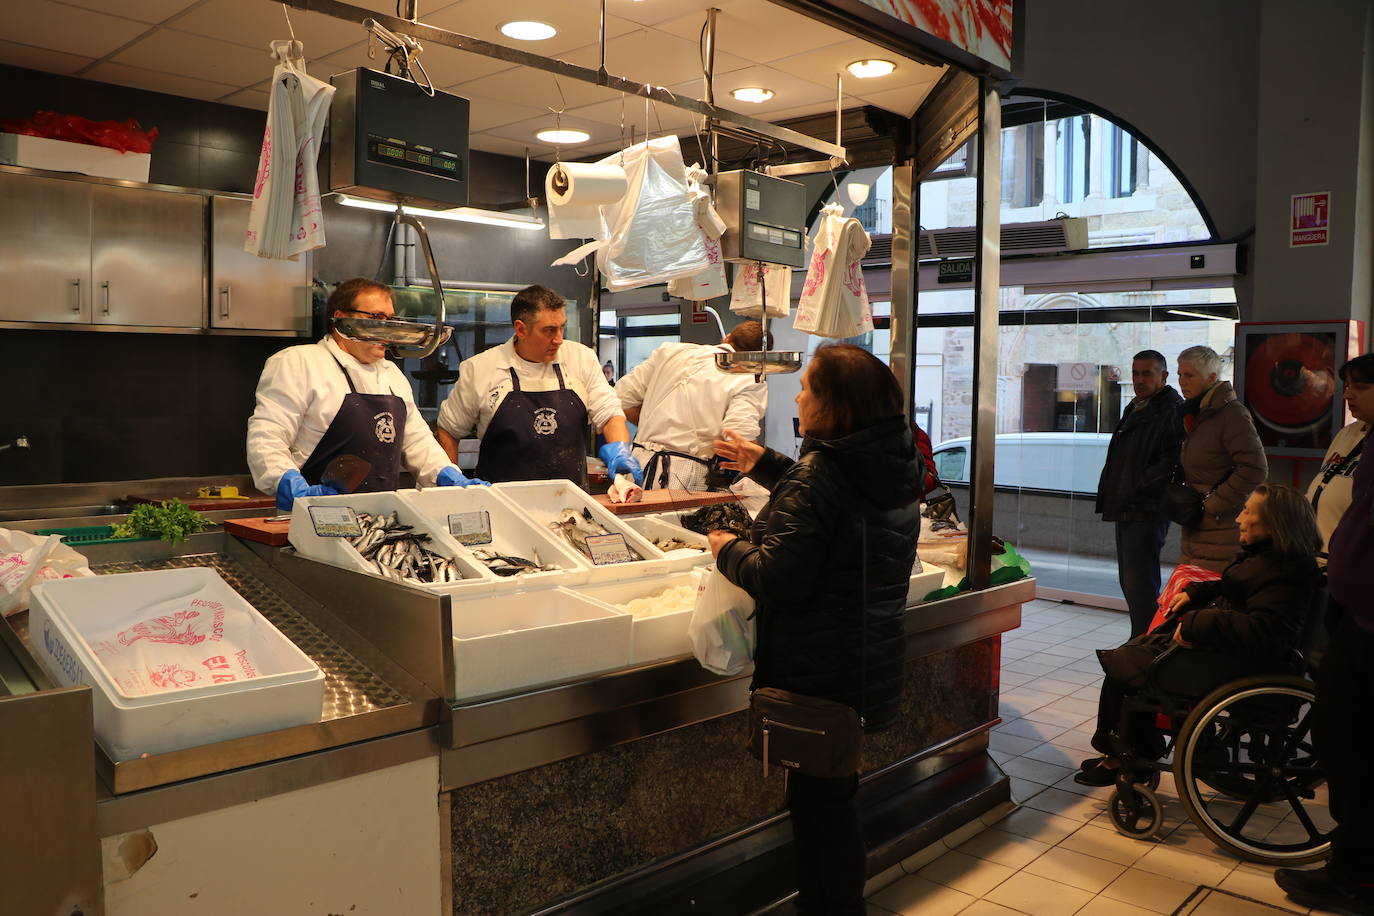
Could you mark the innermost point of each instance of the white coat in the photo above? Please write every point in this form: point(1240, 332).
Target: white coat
point(299, 393)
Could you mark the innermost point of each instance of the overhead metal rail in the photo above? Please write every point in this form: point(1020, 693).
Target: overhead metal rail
point(599, 77)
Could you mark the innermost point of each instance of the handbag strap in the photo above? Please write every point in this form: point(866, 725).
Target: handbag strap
point(863, 620)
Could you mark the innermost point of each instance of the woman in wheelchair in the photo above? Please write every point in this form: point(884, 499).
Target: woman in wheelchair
point(1245, 623)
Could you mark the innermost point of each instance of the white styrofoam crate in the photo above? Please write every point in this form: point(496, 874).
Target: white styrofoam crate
point(513, 533)
point(66, 156)
point(543, 500)
point(652, 638)
point(678, 560)
point(503, 643)
point(477, 579)
point(922, 584)
point(289, 690)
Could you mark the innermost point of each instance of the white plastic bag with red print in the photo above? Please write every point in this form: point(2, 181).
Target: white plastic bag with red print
point(27, 559)
point(286, 217)
point(206, 636)
point(709, 283)
point(834, 301)
point(762, 287)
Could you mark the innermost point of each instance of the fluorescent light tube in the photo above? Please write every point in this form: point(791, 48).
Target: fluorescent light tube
point(458, 214)
point(1188, 314)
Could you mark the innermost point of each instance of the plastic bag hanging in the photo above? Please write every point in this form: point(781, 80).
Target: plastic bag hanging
point(753, 282)
point(653, 236)
point(286, 217)
point(709, 283)
point(834, 300)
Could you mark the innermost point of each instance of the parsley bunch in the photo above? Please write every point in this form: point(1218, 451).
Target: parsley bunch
point(172, 521)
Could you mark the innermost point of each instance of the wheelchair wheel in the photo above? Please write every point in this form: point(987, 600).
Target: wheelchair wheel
point(1138, 814)
point(1247, 774)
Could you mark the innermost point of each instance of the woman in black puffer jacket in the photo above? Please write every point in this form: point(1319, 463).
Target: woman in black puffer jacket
point(832, 552)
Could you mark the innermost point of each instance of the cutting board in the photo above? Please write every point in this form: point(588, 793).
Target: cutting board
point(665, 501)
point(261, 530)
point(197, 504)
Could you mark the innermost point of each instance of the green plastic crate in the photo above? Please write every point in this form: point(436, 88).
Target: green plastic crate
point(94, 534)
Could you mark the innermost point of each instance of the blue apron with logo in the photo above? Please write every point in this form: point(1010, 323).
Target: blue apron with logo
point(536, 435)
point(369, 426)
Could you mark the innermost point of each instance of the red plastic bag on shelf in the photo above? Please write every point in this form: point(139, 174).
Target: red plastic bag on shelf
point(128, 137)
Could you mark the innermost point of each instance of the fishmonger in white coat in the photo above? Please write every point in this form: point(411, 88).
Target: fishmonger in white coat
point(681, 403)
point(339, 397)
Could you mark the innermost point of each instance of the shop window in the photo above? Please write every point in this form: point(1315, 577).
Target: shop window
point(1074, 136)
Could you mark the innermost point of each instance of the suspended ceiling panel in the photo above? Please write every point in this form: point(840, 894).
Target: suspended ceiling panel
point(217, 50)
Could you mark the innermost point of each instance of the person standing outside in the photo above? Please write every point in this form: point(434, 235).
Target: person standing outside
point(1130, 493)
point(337, 398)
point(681, 404)
point(1221, 456)
point(529, 401)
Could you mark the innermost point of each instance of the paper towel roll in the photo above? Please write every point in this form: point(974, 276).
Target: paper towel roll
point(576, 192)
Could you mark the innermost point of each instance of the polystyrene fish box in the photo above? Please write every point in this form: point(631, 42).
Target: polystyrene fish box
point(922, 584)
point(459, 511)
point(545, 501)
point(311, 515)
point(683, 558)
point(661, 635)
point(175, 658)
point(502, 643)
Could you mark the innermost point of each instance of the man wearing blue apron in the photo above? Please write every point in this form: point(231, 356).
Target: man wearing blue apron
point(337, 414)
point(530, 401)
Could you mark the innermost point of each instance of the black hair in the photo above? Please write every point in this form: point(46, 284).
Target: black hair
point(1360, 369)
point(1155, 355)
point(532, 300)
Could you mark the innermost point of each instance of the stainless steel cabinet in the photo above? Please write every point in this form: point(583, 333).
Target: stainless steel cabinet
point(247, 291)
point(147, 257)
point(45, 249)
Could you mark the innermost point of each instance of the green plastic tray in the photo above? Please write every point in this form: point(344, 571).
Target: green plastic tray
point(95, 534)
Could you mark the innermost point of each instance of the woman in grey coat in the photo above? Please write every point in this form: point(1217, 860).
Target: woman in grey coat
point(1221, 456)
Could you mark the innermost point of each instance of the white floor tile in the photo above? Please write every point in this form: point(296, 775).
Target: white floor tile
point(1106, 906)
point(1024, 728)
point(1257, 883)
point(988, 908)
point(1037, 825)
point(914, 895)
point(966, 873)
point(1047, 774)
point(1004, 848)
point(1186, 866)
point(1053, 753)
point(1001, 741)
point(1151, 891)
point(1093, 840)
point(1068, 804)
point(1041, 896)
point(1075, 869)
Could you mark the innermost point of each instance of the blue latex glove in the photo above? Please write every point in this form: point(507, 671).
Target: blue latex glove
point(292, 487)
point(618, 460)
point(452, 477)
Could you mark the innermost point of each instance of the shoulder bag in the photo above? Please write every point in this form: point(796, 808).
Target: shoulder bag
point(1182, 503)
point(812, 735)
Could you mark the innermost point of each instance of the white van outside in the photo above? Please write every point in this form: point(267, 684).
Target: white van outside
point(1067, 462)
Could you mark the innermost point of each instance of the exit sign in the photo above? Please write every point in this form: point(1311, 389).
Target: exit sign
point(959, 270)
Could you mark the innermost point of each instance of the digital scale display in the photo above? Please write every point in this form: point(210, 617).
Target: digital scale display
point(414, 156)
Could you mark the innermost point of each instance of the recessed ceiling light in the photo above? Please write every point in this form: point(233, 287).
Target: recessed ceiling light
point(563, 135)
point(871, 69)
point(753, 94)
point(525, 30)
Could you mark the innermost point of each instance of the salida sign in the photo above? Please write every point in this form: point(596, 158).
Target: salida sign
point(1310, 220)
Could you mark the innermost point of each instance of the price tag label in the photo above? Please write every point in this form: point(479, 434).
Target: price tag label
point(470, 528)
point(335, 521)
point(608, 548)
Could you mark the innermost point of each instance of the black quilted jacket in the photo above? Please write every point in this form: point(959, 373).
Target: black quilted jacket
point(804, 560)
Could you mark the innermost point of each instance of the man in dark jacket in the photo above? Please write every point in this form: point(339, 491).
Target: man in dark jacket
point(1142, 454)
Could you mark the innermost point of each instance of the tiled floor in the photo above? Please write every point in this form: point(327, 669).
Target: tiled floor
point(1054, 851)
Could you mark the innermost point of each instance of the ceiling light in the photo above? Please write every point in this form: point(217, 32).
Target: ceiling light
point(563, 135)
point(871, 69)
point(1188, 313)
point(526, 30)
point(458, 214)
point(754, 94)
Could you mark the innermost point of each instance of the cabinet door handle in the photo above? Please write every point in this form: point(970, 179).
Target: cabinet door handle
point(224, 302)
point(76, 295)
point(105, 289)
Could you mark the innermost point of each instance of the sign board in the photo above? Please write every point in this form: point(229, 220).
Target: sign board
point(957, 270)
point(980, 27)
point(1077, 377)
point(699, 313)
point(335, 522)
point(1310, 220)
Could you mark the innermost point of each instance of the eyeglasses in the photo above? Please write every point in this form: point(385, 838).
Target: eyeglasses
point(375, 316)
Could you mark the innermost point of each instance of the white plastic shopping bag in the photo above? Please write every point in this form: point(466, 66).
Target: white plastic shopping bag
point(834, 300)
point(653, 232)
point(709, 283)
point(286, 218)
point(722, 627)
point(27, 559)
point(754, 283)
